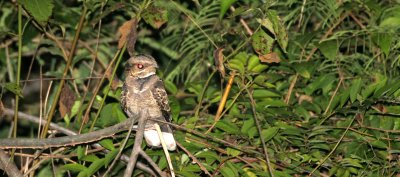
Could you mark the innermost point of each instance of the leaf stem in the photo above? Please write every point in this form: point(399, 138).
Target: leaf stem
point(253, 107)
point(14, 134)
point(62, 82)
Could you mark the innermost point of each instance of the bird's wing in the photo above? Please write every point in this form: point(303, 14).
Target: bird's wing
point(124, 96)
point(161, 97)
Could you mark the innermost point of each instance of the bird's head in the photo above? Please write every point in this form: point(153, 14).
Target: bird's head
point(141, 66)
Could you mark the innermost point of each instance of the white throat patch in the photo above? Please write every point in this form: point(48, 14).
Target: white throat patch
point(147, 75)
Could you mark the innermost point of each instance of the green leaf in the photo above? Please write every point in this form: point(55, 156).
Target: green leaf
point(262, 43)
point(275, 26)
point(228, 127)
point(382, 90)
point(93, 168)
point(322, 82)
point(269, 133)
point(247, 124)
point(210, 156)
point(45, 172)
point(368, 90)
point(379, 144)
point(232, 152)
point(349, 162)
point(14, 88)
point(90, 158)
point(107, 143)
point(236, 65)
point(110, 156)
point(41, 10)
point(252, 132)
point(265, 103)
point(227, 171)
point(305, 69)
point(252, 62)
point(329, 49)
point(80, 151)
point(225, 4)
point(354, 89)
point(110, 115)
point(344, 97)
point(259, 68)
point(249, 173)
point(171, 87)
point(263, 93)
point(74, 167)
point(384, 41)
point(175, 108)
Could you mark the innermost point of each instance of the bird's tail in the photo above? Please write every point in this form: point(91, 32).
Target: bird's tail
point(152, 138)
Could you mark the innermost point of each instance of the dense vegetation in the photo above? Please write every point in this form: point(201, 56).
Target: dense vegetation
point(313, 86)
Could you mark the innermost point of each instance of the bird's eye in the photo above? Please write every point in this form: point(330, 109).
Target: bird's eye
point(139, 66)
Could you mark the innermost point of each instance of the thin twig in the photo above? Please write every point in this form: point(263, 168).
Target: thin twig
point(333, 96)
point(164, 146)
point(62, 82)
point(253, 107)
point(202, 167)
point(208, 137)
point(248, 30)
point(336, 145)
point(290, 90)
point(301, 14)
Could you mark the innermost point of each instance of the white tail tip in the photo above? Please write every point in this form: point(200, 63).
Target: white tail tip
point(152, 139)
point(170, 141)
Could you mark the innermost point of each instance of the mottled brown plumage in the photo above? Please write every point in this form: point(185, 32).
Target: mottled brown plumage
point(144, 90)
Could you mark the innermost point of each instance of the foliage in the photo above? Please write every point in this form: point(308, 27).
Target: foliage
point(324, 77)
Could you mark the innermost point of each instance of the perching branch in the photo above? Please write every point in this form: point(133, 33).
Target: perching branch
point(8, 166)
point(33, 143)
point(137, 146)
point(66, 131)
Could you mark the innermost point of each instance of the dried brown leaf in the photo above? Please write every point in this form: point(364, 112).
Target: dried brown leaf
point(67, 100)
point(271, 57)
point(125, 29)
point(219, 61)
point(305, 98)
point(1, 109)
